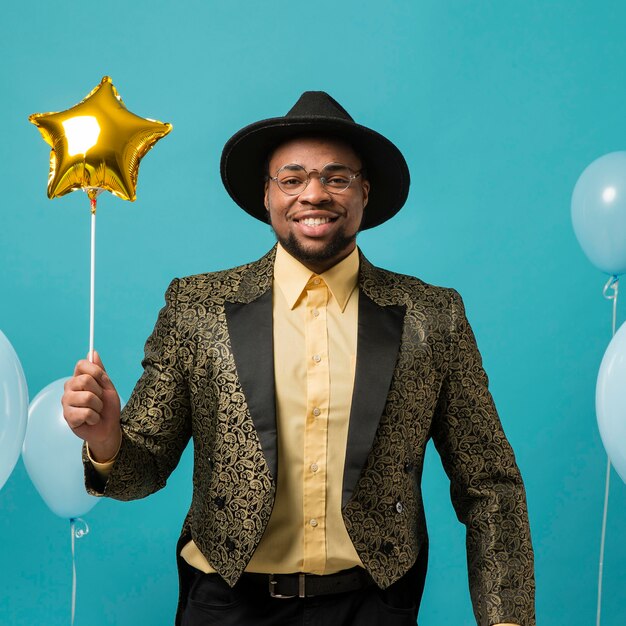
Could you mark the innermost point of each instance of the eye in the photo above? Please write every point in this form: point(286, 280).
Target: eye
point(291, 181)
point(336, 176)
point(337, 180)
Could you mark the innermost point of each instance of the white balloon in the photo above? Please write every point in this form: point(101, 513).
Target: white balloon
point(52, 454)
point(13, 408)
point(599, 212)
point(611, 401)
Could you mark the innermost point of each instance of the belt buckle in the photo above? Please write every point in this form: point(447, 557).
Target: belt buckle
point(301, 588)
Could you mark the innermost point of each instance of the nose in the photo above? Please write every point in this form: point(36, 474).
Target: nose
point(314, 192)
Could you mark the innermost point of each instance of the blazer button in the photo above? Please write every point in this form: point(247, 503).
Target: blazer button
point(387, 548)
point(230, 545)
point(219, 502)
point(399, 507)
point(408, 467)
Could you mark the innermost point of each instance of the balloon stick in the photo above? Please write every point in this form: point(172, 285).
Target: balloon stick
point(93, 196)
point(612, 283)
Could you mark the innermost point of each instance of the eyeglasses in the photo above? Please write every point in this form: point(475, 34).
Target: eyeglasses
point(293, 179)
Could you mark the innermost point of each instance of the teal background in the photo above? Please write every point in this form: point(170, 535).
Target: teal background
point(498, 107)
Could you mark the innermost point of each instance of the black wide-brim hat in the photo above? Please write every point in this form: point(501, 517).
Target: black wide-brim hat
point(244, 158)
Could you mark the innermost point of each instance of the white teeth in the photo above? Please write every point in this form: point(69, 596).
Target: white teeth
point(315, 221)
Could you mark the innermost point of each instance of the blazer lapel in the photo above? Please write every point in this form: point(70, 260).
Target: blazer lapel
point(378, 342)
point(250, 327)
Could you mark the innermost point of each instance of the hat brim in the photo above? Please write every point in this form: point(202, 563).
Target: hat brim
point(243, 163)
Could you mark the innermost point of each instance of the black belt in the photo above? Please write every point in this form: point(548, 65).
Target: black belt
point(308, 585)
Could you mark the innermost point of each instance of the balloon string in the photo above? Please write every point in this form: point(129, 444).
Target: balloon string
point(613, 284)
point(76, 533)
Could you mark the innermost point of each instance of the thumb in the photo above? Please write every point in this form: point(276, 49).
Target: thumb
point(97, 360)
point(105, 381)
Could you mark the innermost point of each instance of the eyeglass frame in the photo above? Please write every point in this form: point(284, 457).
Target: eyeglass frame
point(354, 175)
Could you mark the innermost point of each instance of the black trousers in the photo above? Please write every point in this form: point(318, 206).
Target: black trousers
point(212, 602)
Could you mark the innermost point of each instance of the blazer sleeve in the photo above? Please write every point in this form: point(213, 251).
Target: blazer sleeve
point(485, 484)
point(156, 421)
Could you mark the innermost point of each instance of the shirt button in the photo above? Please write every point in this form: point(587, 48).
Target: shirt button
point(316, 412)
point(314, 467)
point(313, 522)
point(317, 358)
point(316, 313)
point(316, 281)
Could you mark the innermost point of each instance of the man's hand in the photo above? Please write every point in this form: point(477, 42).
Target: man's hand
point(91, 407)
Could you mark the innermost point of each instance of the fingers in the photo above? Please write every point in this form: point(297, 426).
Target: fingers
point(79, 416)
point(86, 367)
point(83, 382)
point(83, 395)
point(90, 399)
point(95, 370)
point(84, 400)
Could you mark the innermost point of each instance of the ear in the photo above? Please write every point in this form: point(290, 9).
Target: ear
point(365, 186)
point(266, 195)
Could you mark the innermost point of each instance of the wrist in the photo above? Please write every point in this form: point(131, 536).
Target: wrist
point(107, 450)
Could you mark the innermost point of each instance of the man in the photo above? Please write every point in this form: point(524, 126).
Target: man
point(311, 382)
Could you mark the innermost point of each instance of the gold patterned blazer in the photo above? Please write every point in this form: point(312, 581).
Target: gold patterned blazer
point(209, 375)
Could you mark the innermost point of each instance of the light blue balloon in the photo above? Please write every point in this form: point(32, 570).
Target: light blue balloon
point(611, 401)
point(52, 455)
point(13, 408)
point(599, 212)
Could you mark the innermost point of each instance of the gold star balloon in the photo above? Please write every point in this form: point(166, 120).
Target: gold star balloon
point(97, 144)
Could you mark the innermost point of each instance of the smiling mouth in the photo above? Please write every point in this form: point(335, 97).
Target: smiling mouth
point(316, 221)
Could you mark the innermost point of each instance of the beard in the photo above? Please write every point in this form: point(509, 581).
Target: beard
point(334, 248)
point(340, 242)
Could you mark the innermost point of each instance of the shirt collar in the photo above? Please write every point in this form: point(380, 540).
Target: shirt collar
point(292, 277)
